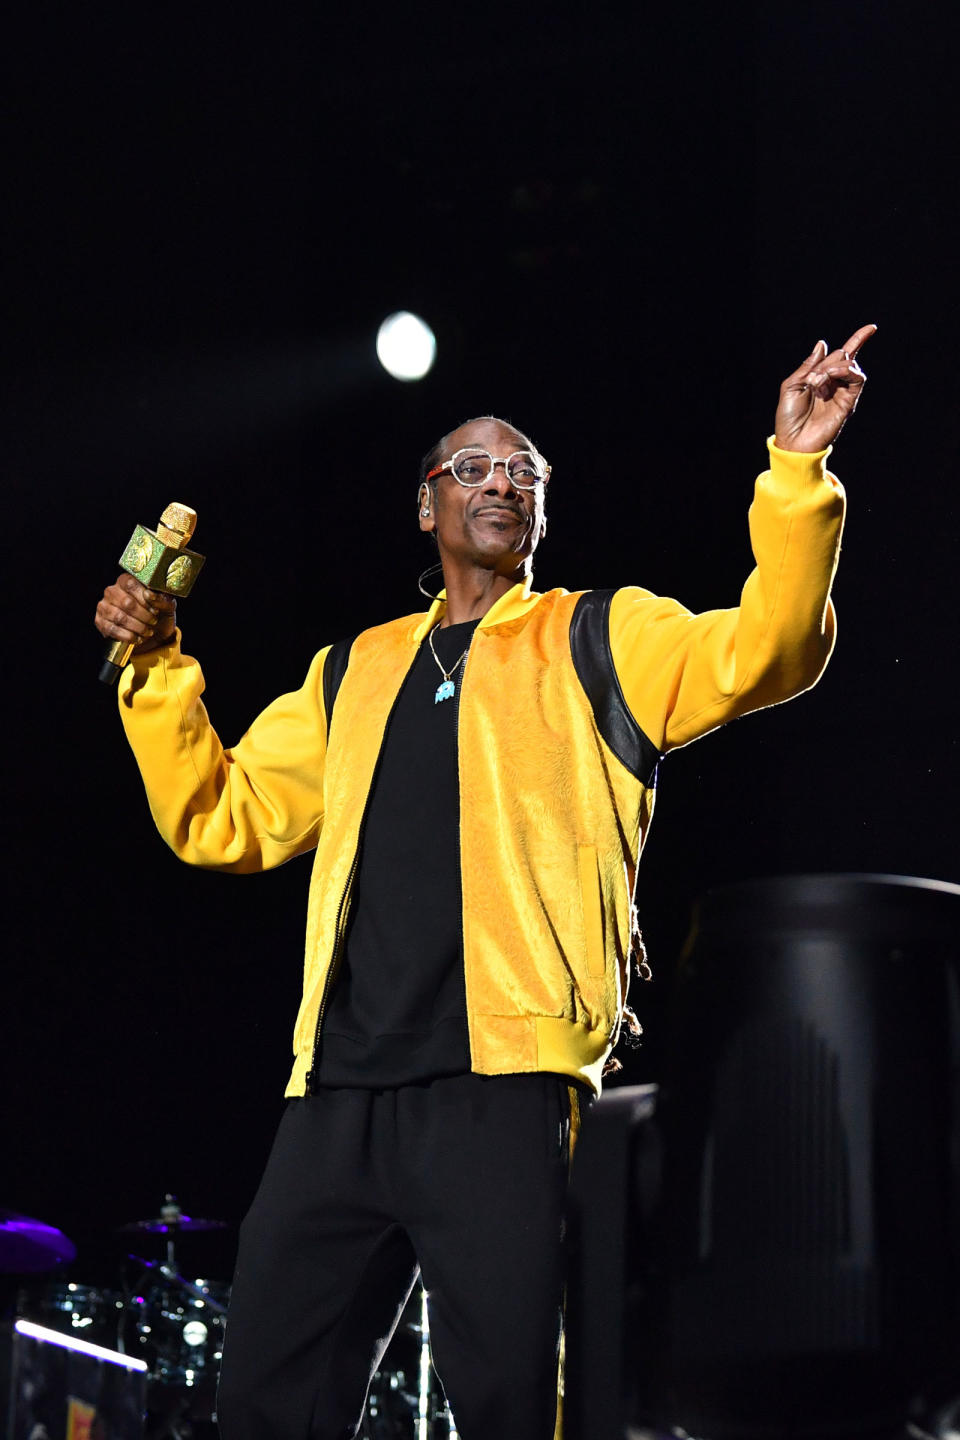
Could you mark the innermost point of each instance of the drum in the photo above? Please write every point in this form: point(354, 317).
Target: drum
point(397, 1409)
point(392, 1405)
point(405, 1401)
point(84, 1311)
point(177, 1327)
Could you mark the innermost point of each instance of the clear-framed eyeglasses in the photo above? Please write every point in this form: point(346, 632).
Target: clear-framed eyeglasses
point(472, 467)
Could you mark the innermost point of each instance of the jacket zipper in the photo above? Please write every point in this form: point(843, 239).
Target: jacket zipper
point(334, 966)
point(340, 931)
point(463, 942)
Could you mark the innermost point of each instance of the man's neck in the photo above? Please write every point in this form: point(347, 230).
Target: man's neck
point(471, 595)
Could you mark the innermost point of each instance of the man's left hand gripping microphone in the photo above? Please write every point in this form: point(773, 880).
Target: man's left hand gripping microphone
point(160, 559)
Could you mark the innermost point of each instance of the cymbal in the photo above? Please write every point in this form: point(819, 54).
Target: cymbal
point(174, 1225)
point(29, 1246)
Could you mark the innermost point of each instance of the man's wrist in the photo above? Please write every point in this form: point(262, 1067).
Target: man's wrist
point(787, 448)
point(783, 447)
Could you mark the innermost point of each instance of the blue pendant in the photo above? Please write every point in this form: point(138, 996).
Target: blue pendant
point(444, 692)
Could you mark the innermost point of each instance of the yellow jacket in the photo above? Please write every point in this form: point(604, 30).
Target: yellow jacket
point(566, 703)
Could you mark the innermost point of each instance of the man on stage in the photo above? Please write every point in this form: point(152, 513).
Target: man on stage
point(477, 783)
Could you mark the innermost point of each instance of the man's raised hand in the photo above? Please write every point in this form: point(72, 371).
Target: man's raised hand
point(819, 397)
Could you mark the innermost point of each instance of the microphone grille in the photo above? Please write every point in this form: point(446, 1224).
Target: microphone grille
point(177, 524)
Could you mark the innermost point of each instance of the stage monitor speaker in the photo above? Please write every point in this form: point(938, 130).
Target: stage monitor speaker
point(58, 1387)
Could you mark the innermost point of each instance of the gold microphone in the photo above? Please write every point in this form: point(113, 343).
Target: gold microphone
point(160, 559)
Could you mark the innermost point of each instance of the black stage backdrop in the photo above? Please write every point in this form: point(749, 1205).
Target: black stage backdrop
point(626, 224)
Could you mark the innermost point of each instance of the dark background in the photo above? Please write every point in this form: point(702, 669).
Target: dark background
point(625, 225)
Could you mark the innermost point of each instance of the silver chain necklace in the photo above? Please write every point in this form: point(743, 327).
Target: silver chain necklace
point(446, 690)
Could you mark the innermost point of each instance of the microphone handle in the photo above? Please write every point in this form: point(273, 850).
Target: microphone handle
point(115, 657)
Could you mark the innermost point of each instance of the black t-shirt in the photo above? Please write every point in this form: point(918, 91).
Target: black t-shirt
point(397, 1010)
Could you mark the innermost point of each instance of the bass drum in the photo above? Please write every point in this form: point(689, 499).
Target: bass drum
point(178, 1330)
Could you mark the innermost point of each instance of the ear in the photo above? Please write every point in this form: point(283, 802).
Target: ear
point(425, 507)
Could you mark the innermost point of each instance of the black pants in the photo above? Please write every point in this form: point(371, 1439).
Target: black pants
point(465, 1177)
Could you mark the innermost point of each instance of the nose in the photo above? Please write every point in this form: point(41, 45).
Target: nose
point(498, 482)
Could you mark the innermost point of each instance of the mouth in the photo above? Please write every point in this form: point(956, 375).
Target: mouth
point(500, 512)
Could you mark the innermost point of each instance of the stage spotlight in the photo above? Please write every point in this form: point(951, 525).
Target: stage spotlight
point(406, 346)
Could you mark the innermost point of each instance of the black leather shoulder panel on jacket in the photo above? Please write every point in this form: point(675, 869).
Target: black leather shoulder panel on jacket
point(593, 662)
point(333, 672)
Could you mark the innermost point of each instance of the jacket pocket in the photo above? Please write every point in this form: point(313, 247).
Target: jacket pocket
point(591, 903)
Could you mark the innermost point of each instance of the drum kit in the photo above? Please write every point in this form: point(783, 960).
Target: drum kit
point(175, 1323)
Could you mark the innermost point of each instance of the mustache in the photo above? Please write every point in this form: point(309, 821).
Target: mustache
point(493, 507)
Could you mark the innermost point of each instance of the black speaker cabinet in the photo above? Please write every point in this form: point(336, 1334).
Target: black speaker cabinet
point(793, 1268)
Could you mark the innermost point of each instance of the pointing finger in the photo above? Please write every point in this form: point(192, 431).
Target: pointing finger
point(858, 338)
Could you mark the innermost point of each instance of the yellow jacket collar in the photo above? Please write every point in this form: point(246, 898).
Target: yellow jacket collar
point(519, 600)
